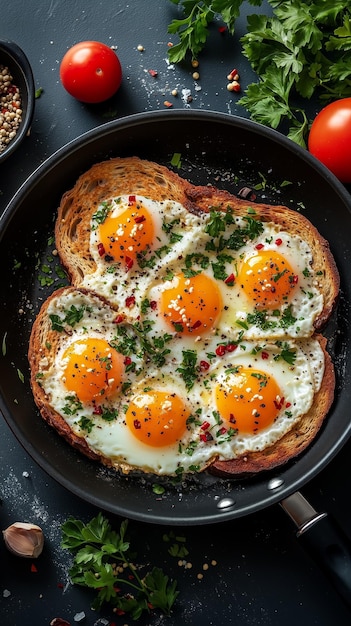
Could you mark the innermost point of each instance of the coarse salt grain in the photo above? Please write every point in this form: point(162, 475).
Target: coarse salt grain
point(79, 616)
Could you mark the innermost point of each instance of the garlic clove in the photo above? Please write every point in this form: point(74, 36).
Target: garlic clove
point(24, 539)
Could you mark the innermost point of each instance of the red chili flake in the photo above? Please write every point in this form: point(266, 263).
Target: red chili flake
point(131, 199)
point(137, 424)
point(232, 418)
point(120, 612)
point(222, 430)
point(279, 403)
point(278, 242)
point(127, 360)
point(153, 305)
point(139, 219)
point(204, 366)
point(220, 350)
point(168, 104)
point(60, 585)
point(230, 280)
point(259, 246)
point(33, 568)
point(129, 263)
point(222, 29)
point(196, 325)
point(151, 606)
point(101, 249)
point(288, 404)
point(153, 73)
point(119, 319)
point(130, 301)
point(264, 354)
point(205, 425)
point(97, 410)
point(230, 347)
point(206, 436)
point(295, 279)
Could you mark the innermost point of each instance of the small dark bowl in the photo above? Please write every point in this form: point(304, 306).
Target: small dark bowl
point(13, 57)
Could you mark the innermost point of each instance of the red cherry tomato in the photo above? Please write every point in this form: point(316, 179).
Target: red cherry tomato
point(91, 71)
point(330, 138)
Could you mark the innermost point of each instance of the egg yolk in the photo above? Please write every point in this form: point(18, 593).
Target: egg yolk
point(191, 305)
point(93, 369)
point(267, 278)
point(125, 235)
point(250, 402)
point(157, 418)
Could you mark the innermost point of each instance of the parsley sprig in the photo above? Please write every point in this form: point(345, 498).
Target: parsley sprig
point(302, 50)
point(102, 561)
point(193, 28)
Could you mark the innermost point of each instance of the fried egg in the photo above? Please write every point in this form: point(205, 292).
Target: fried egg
point(166, 404)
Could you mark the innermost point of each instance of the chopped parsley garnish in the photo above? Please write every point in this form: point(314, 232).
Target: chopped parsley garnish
point(187, 369)
point(238, 237)
point(135, 339)
point(72, 406)
point(85, 423)
point(72, 316)
point(260, 319)
point(219, 266)
point(108, 414)
point(262, 378)
point(287, 318)
point(286, 353)
point(101, 214)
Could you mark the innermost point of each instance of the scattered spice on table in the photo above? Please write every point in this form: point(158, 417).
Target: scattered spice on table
point(10, 108)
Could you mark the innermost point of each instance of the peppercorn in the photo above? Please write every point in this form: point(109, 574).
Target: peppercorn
point(10, 108)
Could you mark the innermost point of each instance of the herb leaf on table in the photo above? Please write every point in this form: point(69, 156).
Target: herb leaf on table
point(103, 561)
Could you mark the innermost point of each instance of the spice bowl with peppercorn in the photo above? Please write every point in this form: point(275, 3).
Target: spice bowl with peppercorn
point(17, 97)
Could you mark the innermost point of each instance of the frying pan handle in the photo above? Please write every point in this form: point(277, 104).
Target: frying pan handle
point(331, 549)
point(325, 541)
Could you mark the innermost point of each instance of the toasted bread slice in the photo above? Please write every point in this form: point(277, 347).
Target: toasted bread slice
point(292, 443)
point(132, 175)
point(42, 349)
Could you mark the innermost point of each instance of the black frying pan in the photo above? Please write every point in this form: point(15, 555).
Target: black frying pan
point(231, 153)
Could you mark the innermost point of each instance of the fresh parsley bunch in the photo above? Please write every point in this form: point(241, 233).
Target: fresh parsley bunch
point(193, 28)
point(103, 561)
point(301, 50)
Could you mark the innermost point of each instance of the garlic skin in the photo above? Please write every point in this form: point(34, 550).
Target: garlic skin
point(22, 539)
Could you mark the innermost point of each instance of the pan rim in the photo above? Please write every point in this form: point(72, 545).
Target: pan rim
point(274, 495)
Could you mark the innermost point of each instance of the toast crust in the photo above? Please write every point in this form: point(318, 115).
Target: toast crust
point(121, 176)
